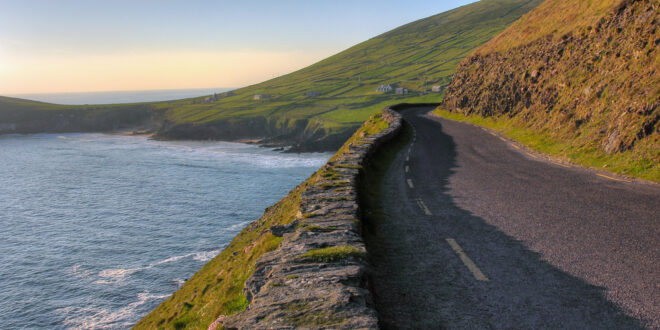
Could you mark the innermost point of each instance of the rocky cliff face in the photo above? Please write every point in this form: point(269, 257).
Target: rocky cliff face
point(598, 85)
point(316, 278)
point(302, 135)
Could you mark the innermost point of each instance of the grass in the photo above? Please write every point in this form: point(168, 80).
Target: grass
point(567, 16)
point(333, 254)
point(217, 288)
point(415, 56)
point(624, 163)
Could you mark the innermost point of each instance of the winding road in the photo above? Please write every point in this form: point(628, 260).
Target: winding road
point(479, 233)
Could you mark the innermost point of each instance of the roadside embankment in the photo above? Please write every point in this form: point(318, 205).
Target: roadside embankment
point(303, 264)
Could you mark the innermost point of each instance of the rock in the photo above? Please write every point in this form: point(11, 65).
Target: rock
point(279, 231)
point(288, 290)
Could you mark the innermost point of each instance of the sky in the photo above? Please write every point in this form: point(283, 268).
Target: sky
point(49, 46)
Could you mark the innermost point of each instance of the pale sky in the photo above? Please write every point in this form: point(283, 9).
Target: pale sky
point(51, 46)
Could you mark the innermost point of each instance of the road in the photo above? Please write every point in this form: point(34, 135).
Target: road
point(478, 233)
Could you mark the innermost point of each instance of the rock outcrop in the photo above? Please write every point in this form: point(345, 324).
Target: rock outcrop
point(316, 278)
point(594, 84)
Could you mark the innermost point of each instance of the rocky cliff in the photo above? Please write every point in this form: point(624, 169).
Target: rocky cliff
point(583, 72)
point(301, 265)
point(317, 276)
point(302, 135)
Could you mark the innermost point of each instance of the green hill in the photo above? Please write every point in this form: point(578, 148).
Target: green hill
point(576, 79)
point(318, 107)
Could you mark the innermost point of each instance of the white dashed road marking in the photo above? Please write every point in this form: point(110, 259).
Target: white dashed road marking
point(422, 206)
point(410, 184)
point(407, 168)
point(467, 261)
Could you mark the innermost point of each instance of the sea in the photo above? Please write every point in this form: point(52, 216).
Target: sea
point(114, 97)
point(96, 229)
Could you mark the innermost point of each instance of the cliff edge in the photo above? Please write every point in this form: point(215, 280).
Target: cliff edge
point(301, 265)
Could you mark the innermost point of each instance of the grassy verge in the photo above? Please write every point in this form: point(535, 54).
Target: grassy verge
point(624, 163)
point(217, 288)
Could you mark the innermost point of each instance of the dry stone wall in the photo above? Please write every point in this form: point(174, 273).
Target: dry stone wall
point(317, 278)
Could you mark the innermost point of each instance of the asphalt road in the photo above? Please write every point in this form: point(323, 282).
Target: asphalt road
point(478, 233)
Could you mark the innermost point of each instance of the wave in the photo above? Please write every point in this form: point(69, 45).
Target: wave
point(77, 271)
point(99, 318)
point(117, 275)
point(237, 226)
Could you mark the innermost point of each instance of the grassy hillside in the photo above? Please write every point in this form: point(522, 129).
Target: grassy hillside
point(24, 116)
point(415, 56)
point(576, 79)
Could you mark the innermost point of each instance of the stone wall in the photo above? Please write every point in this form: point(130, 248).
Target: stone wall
point(317, 276)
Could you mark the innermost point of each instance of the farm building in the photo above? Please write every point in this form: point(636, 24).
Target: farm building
point(384, 88)
point(258, 97)
point(400, 91)
point(436, 89)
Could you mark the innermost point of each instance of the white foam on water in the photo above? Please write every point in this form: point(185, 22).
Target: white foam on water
point(117, 275)
point(79, 272)
point(99, 318)
point(205, 256)
point(239, 225)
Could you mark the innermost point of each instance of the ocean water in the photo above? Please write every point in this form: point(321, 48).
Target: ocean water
point(113, 97)
point(96, 230)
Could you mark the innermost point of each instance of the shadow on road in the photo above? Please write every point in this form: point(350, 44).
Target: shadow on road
point(418, 281)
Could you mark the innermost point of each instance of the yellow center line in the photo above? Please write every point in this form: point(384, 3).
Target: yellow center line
point(467, 261)
point(612, 178)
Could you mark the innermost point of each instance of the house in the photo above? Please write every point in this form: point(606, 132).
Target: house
point(400, 91)
point(258, 97)
point(384, 88)
point(436, 89)
point(312, 94)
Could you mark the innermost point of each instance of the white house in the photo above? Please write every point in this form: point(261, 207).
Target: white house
point(384, 88)
point(258, 97)
point(400, 91)
point(436, 89)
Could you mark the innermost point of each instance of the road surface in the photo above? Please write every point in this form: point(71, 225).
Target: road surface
point(478, 233)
